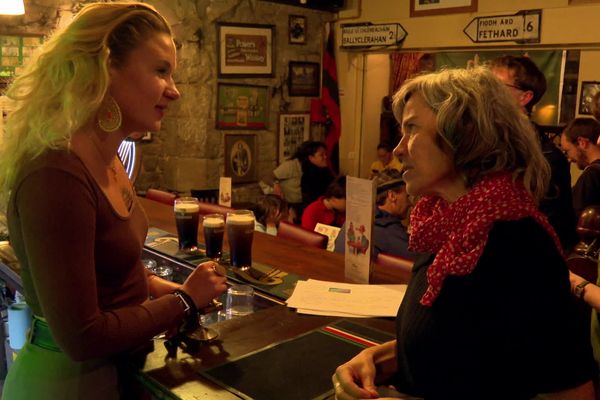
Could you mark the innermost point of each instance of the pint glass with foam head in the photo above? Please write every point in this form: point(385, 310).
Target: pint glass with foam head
point(214, 230)
point(187, 212)
point(240, 231)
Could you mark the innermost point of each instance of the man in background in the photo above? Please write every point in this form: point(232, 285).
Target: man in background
point(389, 233)
point(385, 160)
point(579, 142)
point(527, 85)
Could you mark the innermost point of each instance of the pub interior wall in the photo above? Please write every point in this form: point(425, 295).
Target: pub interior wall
point(564, 25)
point(188, 152)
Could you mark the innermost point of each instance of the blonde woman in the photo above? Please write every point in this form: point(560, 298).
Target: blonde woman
point(74, 220)
point(488, 312)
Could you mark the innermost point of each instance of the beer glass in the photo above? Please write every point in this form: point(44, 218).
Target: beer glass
point(187, 213)
point(214, 229)
point(240, 231)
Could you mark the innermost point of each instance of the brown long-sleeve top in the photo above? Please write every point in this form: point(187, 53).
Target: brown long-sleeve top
point(81, 262)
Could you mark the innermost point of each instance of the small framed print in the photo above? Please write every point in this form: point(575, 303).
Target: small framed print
point(245, 50)
point(242, 106)
point(297, 29)
point(588, 90)
point(294, 128)
point(304, 78)
point(240, 157)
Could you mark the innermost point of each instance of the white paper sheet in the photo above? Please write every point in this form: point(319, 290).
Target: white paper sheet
point(356, 299)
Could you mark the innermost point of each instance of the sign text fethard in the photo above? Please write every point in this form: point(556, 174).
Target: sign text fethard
point(522, 27)
point(367, 35)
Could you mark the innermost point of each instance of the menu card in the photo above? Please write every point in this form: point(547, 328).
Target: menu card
point(360, 205)
point(225, 191)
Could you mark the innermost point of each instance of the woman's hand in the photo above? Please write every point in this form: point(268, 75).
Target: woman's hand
point(356, 378)
point(204, 284)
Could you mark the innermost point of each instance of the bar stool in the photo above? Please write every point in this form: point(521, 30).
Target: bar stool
point(210, 208)
point(301, 235)
point(161, 196)
point(401, 264)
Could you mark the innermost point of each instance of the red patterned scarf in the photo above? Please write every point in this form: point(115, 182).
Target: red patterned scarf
point(457, 232)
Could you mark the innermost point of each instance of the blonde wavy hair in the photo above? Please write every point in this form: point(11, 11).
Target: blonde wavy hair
point(480, 125)
point(64, 86)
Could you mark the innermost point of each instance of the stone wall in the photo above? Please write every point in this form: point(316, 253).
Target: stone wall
point(188, 151)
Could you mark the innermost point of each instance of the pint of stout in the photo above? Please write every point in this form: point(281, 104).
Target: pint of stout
point(214, 229)
point(187, 212)
point(240, 231)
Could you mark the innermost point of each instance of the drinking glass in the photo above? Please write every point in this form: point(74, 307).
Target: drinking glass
point(240, 231)
point(214, 230)
point(239, 301)
point(187, 214)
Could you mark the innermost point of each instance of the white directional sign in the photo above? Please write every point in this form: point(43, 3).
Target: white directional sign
point(522, 27)
point(368, 35)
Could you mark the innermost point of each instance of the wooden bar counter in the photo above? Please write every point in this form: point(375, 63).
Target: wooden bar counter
point(241, 336)
point(179, 377)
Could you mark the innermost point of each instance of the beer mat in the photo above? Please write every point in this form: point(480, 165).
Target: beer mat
point(297, 369)
point(269, 280)
point(281, 287)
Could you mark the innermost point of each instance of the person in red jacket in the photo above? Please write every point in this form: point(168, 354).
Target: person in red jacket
point(329, 209)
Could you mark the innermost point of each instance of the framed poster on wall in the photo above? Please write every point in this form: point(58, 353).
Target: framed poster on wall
point(294, 128)
point(588, 91)
point(245, 50)
point(421, 8)
point(304, 78)
point(242, 106)
point(240, 157)
point(297, 29)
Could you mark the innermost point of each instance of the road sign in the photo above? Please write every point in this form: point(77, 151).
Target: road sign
point(369, 35)
point(522, 27)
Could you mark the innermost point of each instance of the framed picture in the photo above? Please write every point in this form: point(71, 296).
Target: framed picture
point(245, 50)
point(588, 90)
point(304, 78)
point(242, 106)
point(240, 157)
point(420, 8)
point(294, 128)
point(297, 29)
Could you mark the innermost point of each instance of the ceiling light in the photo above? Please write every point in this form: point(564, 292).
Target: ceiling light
point(12, 7)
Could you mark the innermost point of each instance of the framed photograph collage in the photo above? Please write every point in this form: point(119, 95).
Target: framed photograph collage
point(247, 51)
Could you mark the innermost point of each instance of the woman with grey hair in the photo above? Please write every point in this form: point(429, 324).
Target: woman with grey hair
point(488, 311)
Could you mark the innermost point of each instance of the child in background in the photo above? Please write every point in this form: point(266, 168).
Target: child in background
point(269, 210)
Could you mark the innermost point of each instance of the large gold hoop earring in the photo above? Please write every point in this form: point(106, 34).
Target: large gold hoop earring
point(109, 115)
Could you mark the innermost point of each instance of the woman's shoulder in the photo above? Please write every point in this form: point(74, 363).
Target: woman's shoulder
point(522, 239)
point(289, 166)
point(51, 161)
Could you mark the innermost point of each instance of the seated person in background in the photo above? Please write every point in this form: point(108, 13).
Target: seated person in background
point(329, 209)
point(316, 175)
point(488, 312)
point(389, 234)
point(385, 160)
point(578, 141)
point(288, 179)
point(268, 212)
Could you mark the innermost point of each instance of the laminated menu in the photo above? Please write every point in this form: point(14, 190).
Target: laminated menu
point(360, 206)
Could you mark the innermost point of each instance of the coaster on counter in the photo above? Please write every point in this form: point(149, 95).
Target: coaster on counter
point(262, 278)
